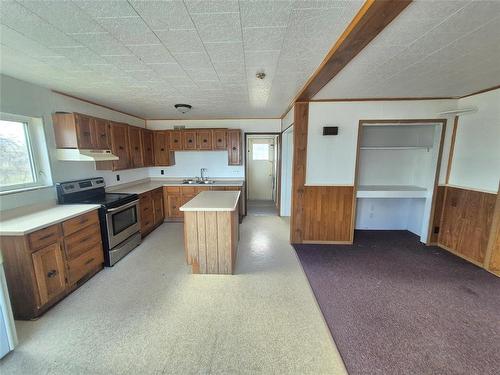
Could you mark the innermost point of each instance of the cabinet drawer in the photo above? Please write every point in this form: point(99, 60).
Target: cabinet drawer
point(81, 241)
point(147, 221)
point(44, 237)
point(86, 262)
point(189, 190)
point(79, 222)
point(173, 189)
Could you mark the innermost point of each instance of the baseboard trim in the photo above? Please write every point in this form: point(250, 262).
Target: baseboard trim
point(454, 252)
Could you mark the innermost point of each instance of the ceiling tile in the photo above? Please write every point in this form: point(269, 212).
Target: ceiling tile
point(218, 27)
point(263, 38)
point(193, 60)
point(106, 9)
point(181, 40)
point(255, 13)
point(163, 15)
point(130, 30)
point(212, 6)
point(151, 53)
point(225, 51)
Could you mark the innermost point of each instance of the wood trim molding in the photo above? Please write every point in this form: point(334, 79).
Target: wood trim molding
point(494, 238)
point(452, 149)
point(480, 92)
point(99, 105)
point(371, 19)
point(390, 99)
point(301, 118)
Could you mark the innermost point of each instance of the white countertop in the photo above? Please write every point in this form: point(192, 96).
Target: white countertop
point(145, 186)
point(213, 201)
point(30, 222)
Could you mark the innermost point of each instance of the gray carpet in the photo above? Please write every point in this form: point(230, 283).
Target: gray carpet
point(395, 306)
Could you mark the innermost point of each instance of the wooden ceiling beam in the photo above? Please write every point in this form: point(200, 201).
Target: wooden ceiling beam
point(371, 19)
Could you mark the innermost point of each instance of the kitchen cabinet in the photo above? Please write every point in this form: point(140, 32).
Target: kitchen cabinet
point(204, 139)
point(174, 201)
point(44, 266)
point(151, 210)
point(135, 147)
point(120, 145)
point(176, 140)
point(75, 130)
point(157, 199)
point(189, 138)
point(234, 147)
point(219, 139)
point(49, 272)
point(147, 147)
point(163, 155)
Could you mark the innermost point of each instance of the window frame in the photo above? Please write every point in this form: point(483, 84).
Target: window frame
point(42, 179)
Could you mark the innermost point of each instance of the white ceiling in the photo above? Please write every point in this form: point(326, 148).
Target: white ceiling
point(433, 49)
point(142, 57)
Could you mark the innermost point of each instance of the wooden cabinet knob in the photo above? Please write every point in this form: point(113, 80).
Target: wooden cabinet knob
point(176, 140)
point(205, 141)
point(86, 133)
point(162, 149)
point(219, 140)
point(51, 274)
point(190, 141)
point(234, 148)
point(136, 148)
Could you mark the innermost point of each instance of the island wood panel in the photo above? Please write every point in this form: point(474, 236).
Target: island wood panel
point(327, 214)
point(492, 262)
point(466, 223)
point(210, 240)
point(438, 212)
point(301, 118)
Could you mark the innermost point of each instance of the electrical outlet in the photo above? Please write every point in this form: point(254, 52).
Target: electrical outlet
point(117, 177)
point(162, 171)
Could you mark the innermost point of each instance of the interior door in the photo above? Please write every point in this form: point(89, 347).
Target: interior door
point(261, 168)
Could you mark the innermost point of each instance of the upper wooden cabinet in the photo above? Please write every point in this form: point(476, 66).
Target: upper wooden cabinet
point(175, 140)
point(74, 130)
point(189, 138)
point(135, 147)
point(120, 145)
point(204, 139)
point(163, 155)
point(234, 147)
point(147, 147)
point(219, 139)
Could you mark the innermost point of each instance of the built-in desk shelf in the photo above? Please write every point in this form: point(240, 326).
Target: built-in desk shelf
point(395, 148)
point(391, 191)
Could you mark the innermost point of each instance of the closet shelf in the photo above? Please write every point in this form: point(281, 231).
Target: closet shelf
point(391, 191)
point(395, 148)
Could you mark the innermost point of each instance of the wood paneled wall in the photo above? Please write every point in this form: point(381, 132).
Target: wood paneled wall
point(493, 253)
point(466, 223)
point(327, 214)
point(438, 212)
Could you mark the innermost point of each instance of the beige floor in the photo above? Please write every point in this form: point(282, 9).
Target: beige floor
point(149, 315)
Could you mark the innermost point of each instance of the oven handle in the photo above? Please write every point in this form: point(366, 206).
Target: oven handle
point(123, 207)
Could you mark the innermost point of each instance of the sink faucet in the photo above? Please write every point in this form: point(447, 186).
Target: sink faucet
point(203, 172)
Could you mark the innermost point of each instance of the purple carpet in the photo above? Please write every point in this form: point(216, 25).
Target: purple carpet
point(395, 306)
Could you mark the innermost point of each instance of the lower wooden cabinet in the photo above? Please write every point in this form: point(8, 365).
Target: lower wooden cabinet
point(50, 272)
point(151, 210)
point(44, 266)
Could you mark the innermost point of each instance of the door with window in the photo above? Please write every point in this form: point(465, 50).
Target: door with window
point(261, 169)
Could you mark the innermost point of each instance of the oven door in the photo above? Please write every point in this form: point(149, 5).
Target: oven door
point(122, 222)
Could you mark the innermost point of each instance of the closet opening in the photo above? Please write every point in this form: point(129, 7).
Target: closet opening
point(397, 173)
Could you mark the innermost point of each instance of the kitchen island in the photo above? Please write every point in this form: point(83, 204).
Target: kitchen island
point(211, 231)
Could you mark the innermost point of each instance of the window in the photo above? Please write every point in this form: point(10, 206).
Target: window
point(260, 151)
point(20, 160)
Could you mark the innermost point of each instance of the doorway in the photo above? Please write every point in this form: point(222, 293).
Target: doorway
point(262, 153)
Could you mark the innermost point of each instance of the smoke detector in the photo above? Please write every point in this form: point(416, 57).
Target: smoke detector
point(260, 75)
point(183, 108)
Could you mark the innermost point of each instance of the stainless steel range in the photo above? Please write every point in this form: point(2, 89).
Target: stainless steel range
point(119, 214)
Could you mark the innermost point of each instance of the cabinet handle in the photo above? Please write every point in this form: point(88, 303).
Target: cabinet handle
point(86, 133)
point(47, 236)
point(162, 149)
point(89, 261)
point(103, 135)
point(85, 239)
point(120, 147)
point(137, 148)
point(219, 140)
point(234, 148)
point(190, 141)
point(176, 140)
point(205, 141)
point(51, 274)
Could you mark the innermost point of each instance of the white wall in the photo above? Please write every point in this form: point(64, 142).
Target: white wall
point(476, 159)
point(331, 159)
point(288, 119)
point(286, 172)
point(23, 98)
point(188, 164)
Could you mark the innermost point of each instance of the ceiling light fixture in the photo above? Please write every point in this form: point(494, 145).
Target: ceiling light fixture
point(260, 75)
point(183, 108)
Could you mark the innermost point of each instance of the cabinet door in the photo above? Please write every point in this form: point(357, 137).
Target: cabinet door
point(204, 139)
point(157, 196)
point(173, 204)
point(49, 272)
point(119, 145)
point(176, 140)
point(84, 131)
point(135, 144)
point(101, 134)
point(161, 140)
point(219, 139)
point(189, 140)
point(147, 148)
point(146, 209)
point(234, 146)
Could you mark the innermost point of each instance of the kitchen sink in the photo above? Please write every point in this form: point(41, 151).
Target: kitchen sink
point(198, 182)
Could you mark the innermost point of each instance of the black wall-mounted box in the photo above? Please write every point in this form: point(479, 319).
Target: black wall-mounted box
point(330, 130)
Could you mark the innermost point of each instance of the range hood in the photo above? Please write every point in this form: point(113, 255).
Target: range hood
point(74, 154)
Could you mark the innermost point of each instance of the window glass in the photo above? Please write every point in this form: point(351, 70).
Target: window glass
point(16, 165)
point(260, 151)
